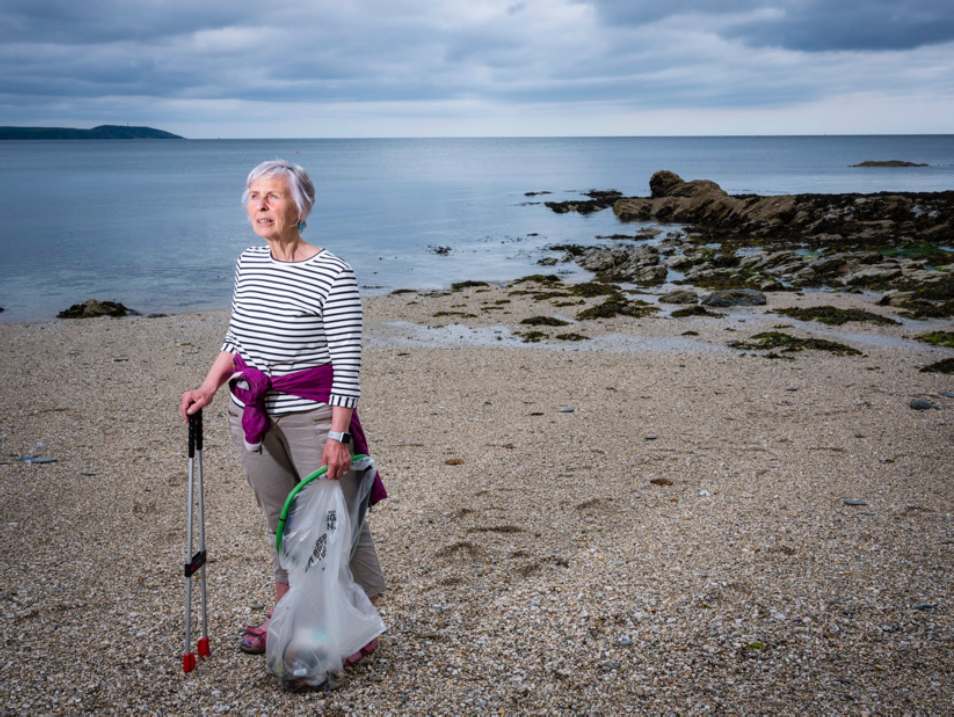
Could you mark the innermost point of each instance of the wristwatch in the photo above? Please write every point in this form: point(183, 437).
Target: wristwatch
point(340, 436)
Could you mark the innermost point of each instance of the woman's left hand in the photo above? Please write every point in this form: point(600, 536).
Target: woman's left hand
point(337, 456)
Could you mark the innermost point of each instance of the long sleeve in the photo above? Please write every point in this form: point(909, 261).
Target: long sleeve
point(342, 316)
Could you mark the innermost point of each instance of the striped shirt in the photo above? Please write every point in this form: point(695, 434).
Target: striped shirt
point(288, 316)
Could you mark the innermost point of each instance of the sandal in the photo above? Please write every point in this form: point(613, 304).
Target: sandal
point(365, 651)
point(254, 637)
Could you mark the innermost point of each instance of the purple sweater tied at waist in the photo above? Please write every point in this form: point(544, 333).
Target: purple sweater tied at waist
point(249, 385)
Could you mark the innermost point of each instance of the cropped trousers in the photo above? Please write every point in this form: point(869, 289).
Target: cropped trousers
point(291, 450)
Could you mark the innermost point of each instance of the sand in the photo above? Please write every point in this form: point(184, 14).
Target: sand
point(545, 572)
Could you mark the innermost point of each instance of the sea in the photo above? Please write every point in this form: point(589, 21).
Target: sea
point(157, 224)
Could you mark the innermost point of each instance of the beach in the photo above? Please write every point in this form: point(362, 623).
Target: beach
point(644, 521)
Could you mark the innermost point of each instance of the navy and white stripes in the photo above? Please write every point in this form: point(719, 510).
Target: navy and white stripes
point(288, 316)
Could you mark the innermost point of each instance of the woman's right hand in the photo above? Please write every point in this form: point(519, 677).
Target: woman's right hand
point(194, 400)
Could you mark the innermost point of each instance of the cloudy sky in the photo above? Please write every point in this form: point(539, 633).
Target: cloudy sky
point(271, 68)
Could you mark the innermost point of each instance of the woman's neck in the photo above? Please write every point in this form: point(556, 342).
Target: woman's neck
point(291, 248)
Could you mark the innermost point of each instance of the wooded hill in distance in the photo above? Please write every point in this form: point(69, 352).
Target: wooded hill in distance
point(104, 131)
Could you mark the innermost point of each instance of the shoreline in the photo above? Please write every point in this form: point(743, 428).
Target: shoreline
point(656, 530)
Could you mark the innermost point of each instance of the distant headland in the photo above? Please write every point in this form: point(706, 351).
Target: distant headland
point(104, 131)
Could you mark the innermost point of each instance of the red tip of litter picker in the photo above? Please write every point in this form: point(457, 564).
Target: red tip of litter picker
point(188, 662)
point(203, 646)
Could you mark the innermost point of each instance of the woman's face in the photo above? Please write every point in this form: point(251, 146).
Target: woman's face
point(271, 209)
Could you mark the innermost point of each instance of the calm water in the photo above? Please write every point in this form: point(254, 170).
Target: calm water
point(157, 225)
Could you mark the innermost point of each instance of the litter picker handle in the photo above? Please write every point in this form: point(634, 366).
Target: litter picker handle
point(194, 563)
point(195, 433)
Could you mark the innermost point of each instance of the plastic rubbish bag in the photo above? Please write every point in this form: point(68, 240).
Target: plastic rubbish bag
point(325, 616)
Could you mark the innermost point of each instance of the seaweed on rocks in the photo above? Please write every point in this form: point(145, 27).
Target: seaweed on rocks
point(571, 337)
point(598, 199)
point(531, 337)
point(544, 321)
point(538, 279)
point(924, 309)
point(594, 288)
point(618, 306)
point(695, 310)
point(571, 249)
point(538, 295)
point(938, 338)
point(833, 316)
point(944, 366)
point(459, 285)
point(461, 314)
point(769, 340)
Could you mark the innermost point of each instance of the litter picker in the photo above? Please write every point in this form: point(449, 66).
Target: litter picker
point(195, 562)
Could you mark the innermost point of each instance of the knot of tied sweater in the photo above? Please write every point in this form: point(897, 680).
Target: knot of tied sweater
point(250, 386)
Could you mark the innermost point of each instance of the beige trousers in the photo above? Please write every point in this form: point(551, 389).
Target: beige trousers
point(292, 450)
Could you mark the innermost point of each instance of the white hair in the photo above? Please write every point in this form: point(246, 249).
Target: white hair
point(302, 189)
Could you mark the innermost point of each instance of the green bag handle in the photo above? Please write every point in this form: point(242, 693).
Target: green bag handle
point(317, 475)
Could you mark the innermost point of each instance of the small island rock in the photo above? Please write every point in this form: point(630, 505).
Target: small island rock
point(887, 163)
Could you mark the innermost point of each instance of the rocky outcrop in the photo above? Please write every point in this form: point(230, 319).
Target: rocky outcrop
point(637, 264)
point(814, 219)
point(899, 242)
point(91, 308)
point(598, 199)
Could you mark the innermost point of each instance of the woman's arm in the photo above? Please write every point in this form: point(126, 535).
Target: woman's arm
point(198, 398)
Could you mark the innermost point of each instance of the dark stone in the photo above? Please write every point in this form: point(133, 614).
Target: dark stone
point(735, 297)
point(92, 308)
point(922, 404)
point(680, 296)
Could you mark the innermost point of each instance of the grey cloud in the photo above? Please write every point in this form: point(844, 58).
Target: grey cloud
point(97, 21)
point(806, 25)
point(816, 26)
point(638, 54)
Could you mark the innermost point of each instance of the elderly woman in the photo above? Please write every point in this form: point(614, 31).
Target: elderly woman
point(295, 333)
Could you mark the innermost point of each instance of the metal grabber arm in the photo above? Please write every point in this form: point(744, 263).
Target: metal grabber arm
point(195, 562)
